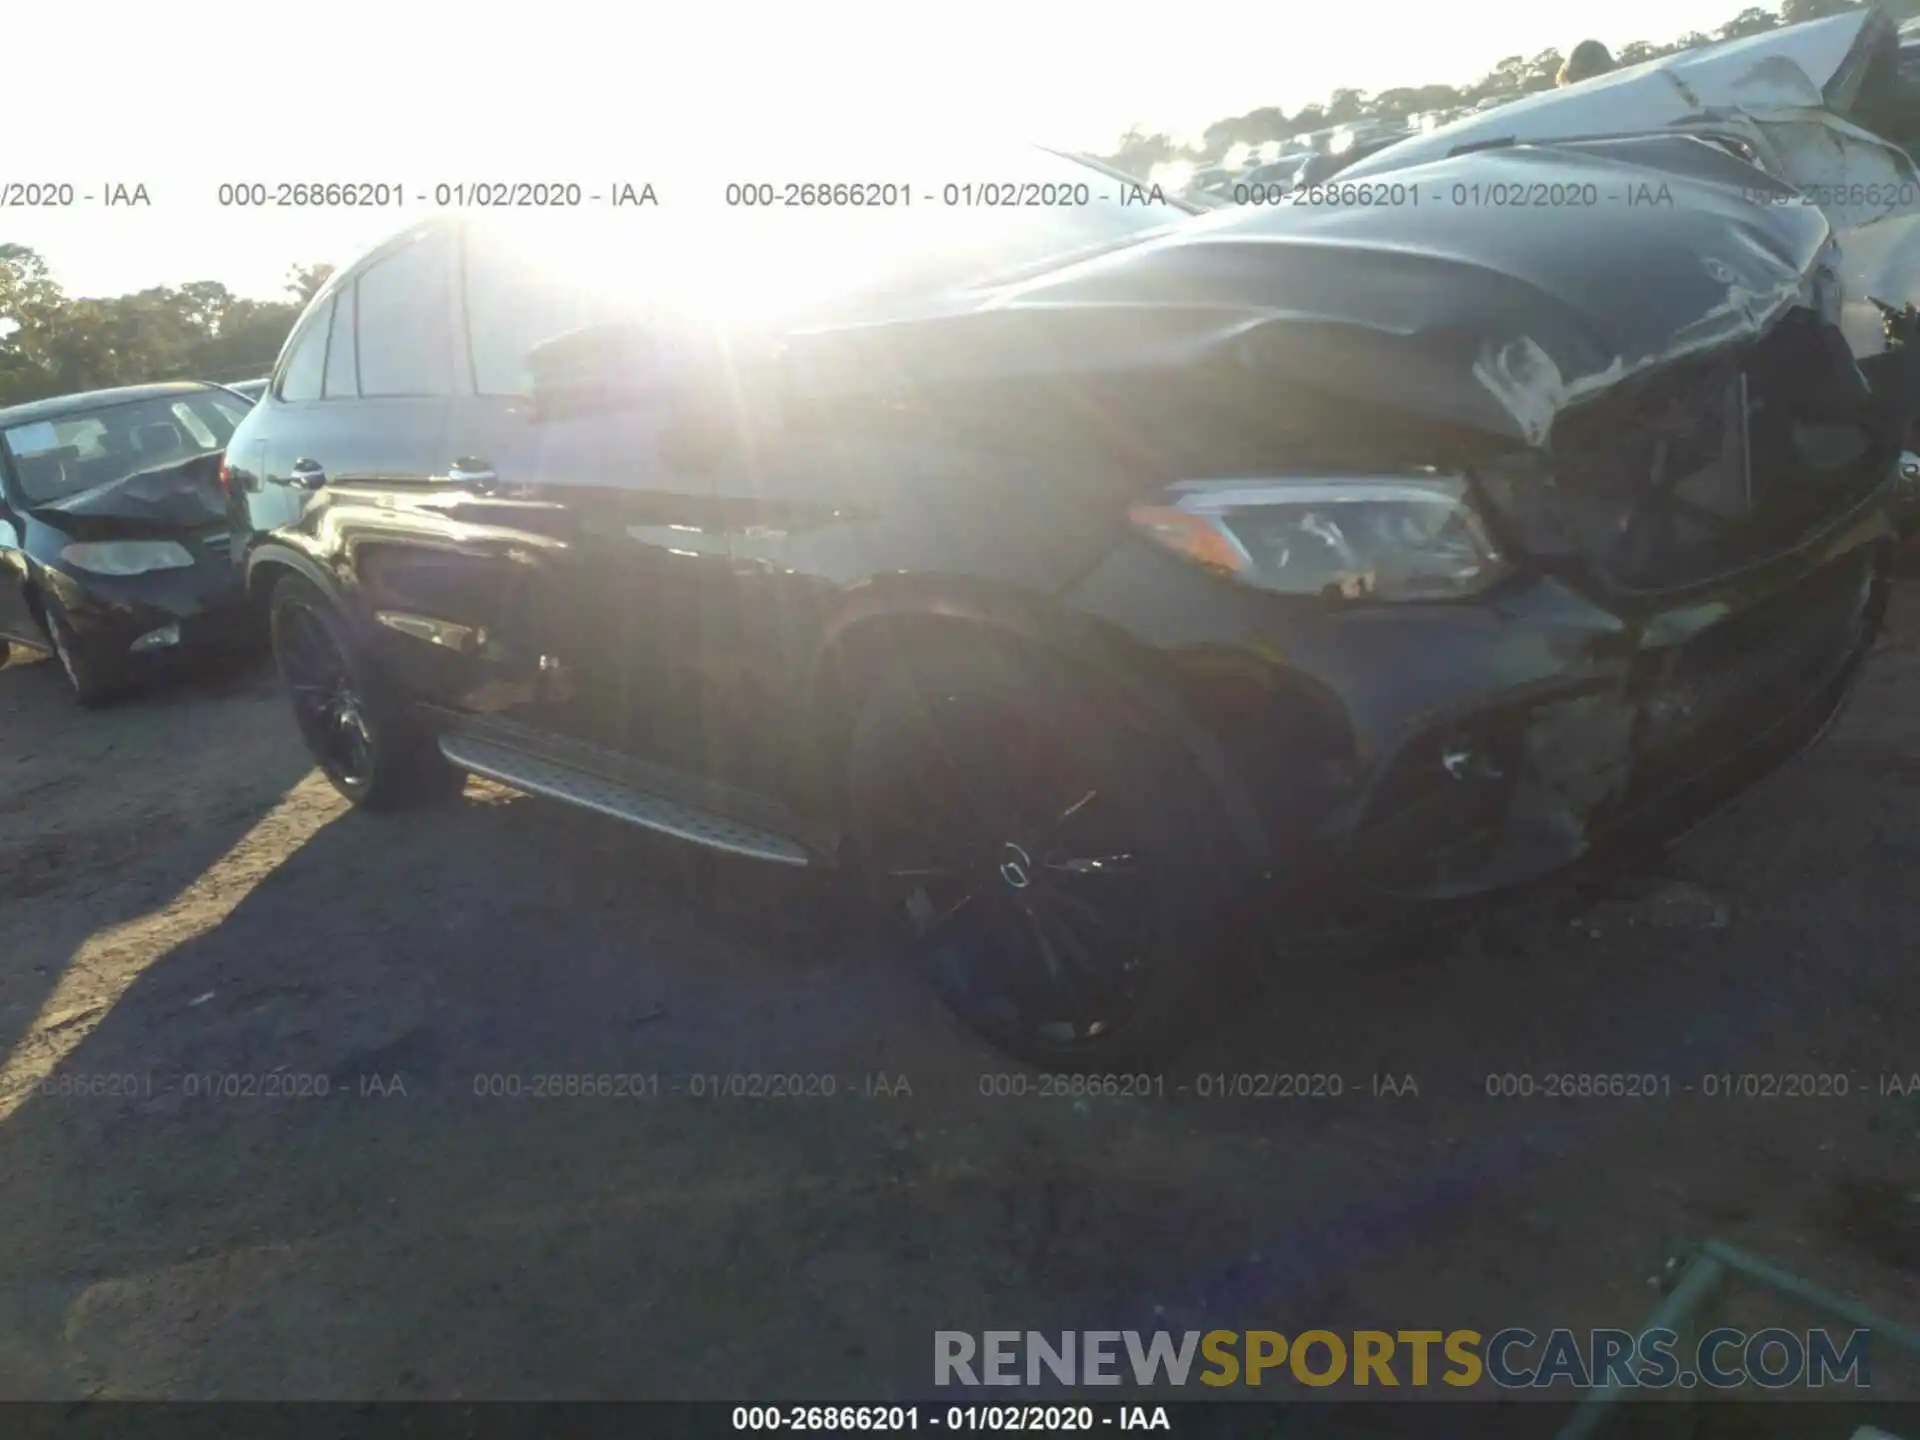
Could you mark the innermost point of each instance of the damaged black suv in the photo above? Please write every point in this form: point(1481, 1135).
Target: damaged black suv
point(1071, 576)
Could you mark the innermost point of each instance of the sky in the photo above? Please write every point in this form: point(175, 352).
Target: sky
point(701, 93)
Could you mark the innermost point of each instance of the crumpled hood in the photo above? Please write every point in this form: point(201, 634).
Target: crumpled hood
point(1816, 65)
point(1812, 104)
point(1489, 317)
point(172, 500)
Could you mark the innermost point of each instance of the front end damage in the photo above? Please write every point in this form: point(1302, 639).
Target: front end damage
point(1826, 109)
point(1728, 507)
point(1695, 479)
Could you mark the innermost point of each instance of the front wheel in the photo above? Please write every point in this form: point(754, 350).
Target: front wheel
point(355, 729)
point(1053, 864)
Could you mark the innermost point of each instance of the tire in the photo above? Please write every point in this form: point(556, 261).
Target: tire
point(92, 682)
point(1054, 864)
point(354, 727)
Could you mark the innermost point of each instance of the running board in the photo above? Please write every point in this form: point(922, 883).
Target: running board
point(623, 802)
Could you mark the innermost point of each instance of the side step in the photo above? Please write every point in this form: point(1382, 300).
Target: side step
point(562, 782)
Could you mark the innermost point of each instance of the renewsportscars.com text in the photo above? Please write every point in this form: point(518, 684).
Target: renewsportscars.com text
point(1511, 1359)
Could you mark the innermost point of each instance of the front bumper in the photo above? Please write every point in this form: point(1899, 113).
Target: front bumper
point(1439, 751)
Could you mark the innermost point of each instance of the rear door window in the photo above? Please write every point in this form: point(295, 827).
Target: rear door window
point(301, 375)
point(513, 305)
point(343, 361)
point(403, 314)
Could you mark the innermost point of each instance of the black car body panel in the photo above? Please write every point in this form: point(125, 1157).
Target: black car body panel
point(692, 571)
point(180, 502)
point(1472, 315)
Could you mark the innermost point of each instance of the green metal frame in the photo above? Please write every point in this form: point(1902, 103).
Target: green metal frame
point(1699, 1278)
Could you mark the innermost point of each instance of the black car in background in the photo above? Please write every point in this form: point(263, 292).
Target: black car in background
point(1072, 575)
point(114, 550)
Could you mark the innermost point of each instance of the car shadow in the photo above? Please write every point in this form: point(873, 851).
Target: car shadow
point(459, 1102)
point(108, 816)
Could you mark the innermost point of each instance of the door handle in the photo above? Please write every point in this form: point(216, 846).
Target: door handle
point(308, 474)
point(476, 475)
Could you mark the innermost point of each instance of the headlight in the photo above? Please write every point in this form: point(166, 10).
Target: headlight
point(127, 557)
point(1364, 538)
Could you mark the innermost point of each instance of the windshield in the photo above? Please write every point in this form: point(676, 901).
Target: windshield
point(53, 459)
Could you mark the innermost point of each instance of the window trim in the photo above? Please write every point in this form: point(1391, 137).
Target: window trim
point(471, 373)
point(468, 236)
point(294, 342)
point(463, 327)
point(349, 292)
point(349, 278)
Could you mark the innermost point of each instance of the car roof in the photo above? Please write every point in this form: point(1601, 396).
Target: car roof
point(56, 406)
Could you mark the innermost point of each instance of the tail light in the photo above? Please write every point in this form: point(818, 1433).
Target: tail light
point(225, 475)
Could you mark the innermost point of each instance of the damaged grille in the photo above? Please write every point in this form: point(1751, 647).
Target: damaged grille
point(1718, 464)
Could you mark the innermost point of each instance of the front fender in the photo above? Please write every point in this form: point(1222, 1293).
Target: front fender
point(898, 615)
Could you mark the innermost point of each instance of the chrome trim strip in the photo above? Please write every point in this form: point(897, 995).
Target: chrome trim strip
point(652, 812)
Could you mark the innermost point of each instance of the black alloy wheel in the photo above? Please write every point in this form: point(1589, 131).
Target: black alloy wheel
point(1055, 878)
point(353, 731)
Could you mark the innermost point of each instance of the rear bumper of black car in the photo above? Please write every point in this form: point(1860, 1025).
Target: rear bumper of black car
point(150, 621)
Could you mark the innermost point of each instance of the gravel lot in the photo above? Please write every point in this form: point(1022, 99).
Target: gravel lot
point(180, 898)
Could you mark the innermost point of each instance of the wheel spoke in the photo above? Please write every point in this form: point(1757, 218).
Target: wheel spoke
point(308, 657)
point(1095, 916)
point(936, 930)
point(353, 732)
point(936, 802)
point(1008, 845)
point(1065, 817)
point(1096, 865)
point(1059, 969)
point(979, 783)
point(1073, 943)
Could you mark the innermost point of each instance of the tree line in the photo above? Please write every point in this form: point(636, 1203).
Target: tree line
point(1139, 151)
point(52, 343)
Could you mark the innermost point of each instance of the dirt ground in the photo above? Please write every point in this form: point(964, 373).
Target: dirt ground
point(182, 900)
